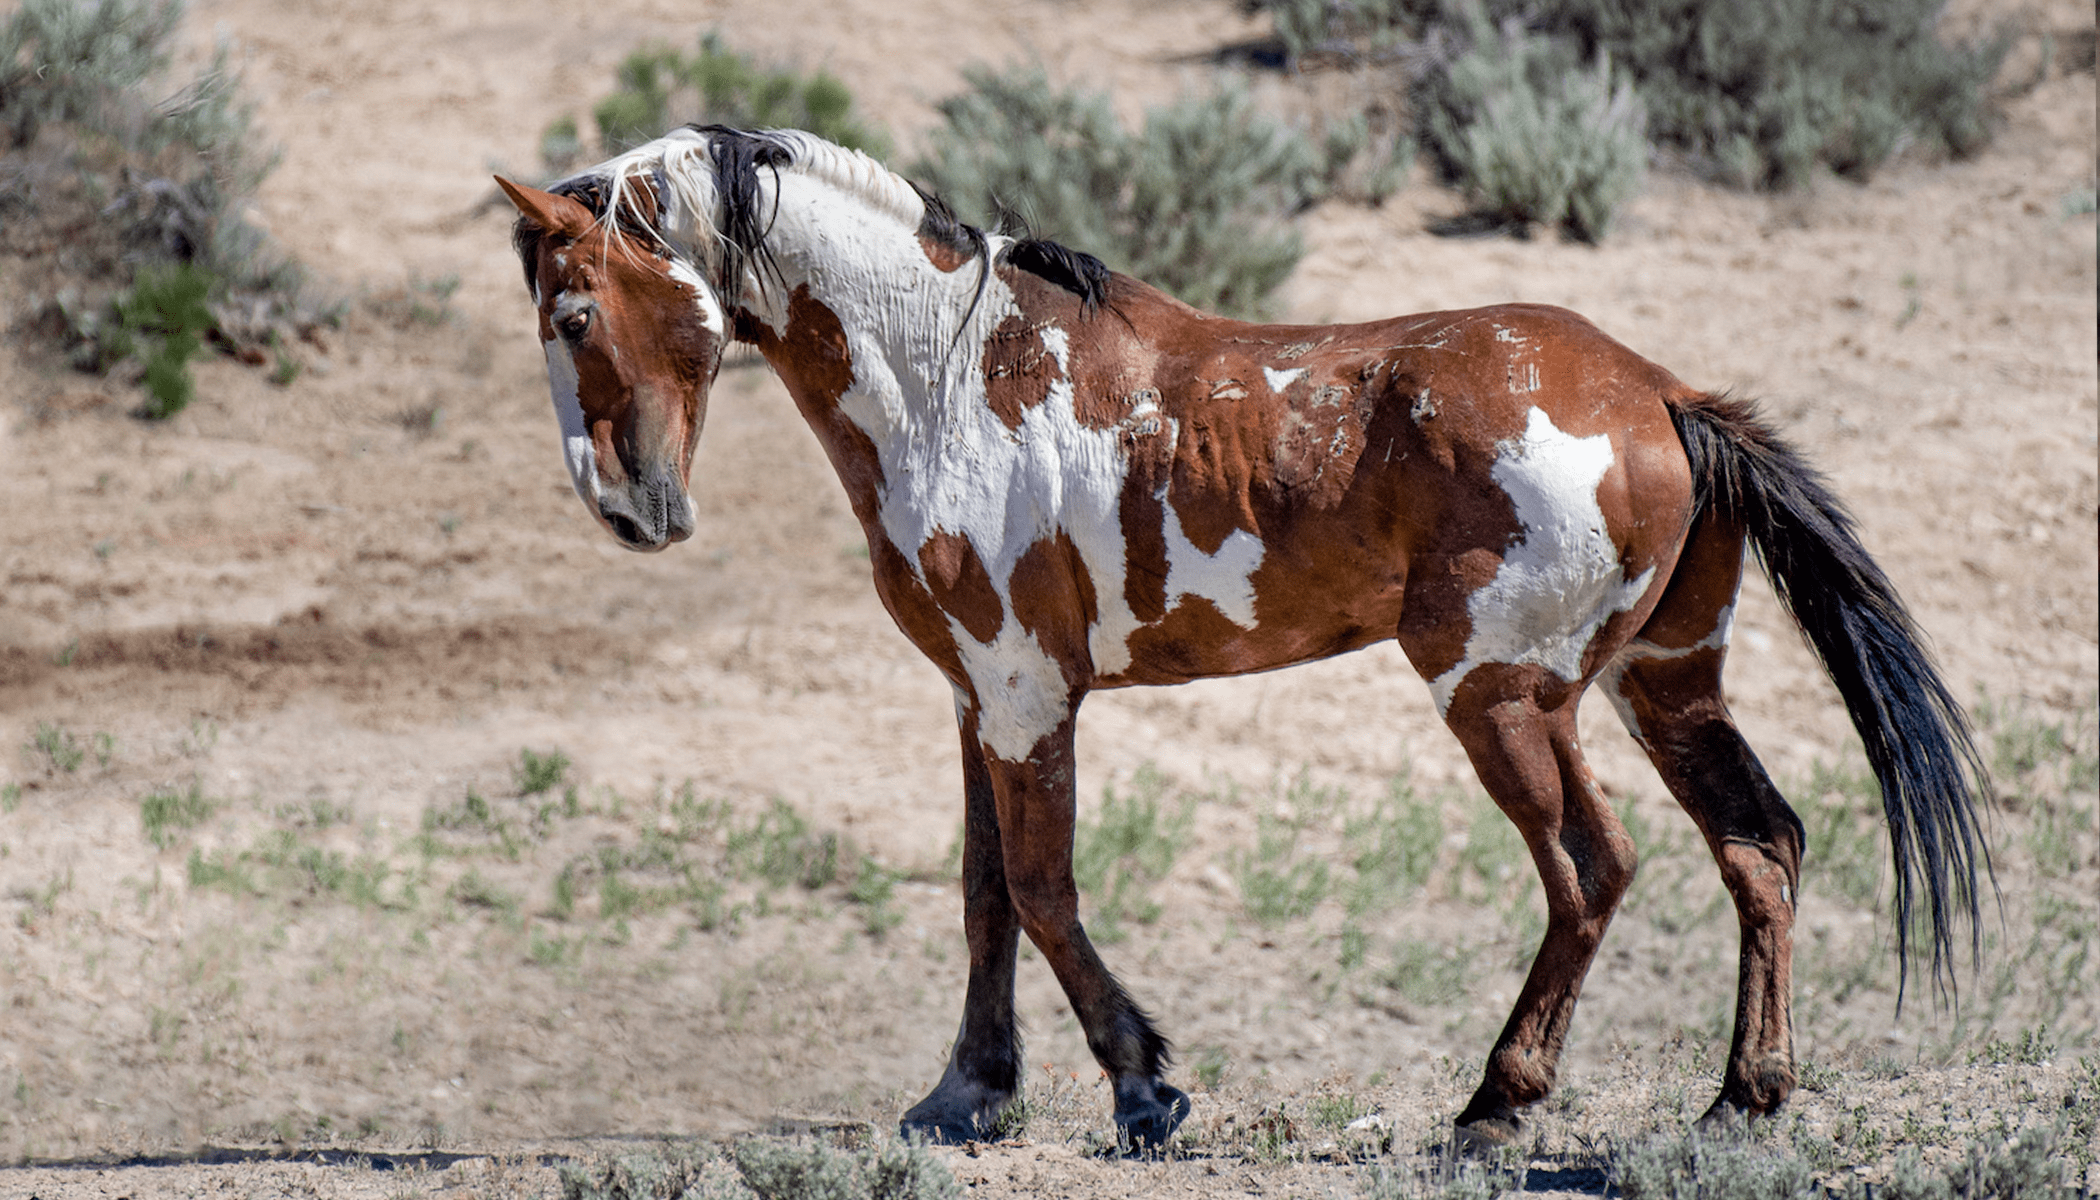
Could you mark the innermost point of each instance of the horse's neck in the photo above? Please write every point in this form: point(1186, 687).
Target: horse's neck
point(854, 274)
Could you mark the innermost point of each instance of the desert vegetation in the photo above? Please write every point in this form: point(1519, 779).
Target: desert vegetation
point(134, 182)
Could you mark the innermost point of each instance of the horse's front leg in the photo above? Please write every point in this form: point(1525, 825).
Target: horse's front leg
point(984, 1071)
point(1036, 813)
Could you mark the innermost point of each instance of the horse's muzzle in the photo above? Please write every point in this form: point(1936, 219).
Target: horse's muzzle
point(648, 515)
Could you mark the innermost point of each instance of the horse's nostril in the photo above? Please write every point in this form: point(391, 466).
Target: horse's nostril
point(624, 527)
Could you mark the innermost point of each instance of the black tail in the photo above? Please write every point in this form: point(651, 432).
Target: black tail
point(1917, 737)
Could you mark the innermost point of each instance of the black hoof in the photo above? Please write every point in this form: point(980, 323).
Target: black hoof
point(1146, 1125)
point(952, 1117)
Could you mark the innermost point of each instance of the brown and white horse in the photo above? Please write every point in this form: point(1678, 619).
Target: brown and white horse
point(1071, 481)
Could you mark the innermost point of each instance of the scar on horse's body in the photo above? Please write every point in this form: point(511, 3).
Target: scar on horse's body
point(1070, 481)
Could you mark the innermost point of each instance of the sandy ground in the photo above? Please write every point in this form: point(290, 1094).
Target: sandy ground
point(338, 609)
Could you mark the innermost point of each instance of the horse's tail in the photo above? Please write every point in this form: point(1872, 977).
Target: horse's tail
point(1917, 737)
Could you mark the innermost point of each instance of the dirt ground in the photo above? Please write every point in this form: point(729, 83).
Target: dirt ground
point(336, 613)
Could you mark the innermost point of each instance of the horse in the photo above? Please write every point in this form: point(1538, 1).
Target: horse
point(1069, 480)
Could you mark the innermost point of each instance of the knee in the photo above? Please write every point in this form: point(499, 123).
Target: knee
point(1042, 900)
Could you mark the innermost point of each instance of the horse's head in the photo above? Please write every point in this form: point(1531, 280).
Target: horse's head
point(633, 339)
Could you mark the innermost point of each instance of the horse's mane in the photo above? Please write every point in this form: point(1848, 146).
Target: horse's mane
point(708, 186)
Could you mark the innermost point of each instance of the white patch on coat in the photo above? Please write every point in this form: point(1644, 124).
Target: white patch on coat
point(1561, 580)
point(1021, 692)
point(1279, 380)
point(1642, 650)
point(711, 317)
point(1225, 578)
point(576, 446)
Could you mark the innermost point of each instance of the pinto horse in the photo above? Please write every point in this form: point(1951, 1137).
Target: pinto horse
point(1070, 480)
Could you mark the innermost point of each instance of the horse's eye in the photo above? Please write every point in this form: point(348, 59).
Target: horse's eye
point(573, 325)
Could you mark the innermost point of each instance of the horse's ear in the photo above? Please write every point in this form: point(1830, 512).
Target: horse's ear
point(555, 214)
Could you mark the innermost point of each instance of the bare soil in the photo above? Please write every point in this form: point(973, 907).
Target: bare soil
point(340, 609)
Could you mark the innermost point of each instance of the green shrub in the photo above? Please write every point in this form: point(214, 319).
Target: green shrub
point(1349, 28)
point(147, 195)
point(666, 1172)
point(1759, 93)
point(1533, 135)
point(658, 87)
point(163, 318)
point(1726, 1165)
point(1196, 202)
point(893, 1170)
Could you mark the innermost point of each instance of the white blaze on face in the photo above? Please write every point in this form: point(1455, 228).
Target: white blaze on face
point(1561, 580)
point(568, 410)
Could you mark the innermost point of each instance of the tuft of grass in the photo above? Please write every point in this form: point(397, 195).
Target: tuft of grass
point(60, 750)
point(780, 848)
point(2032, 1048)
point(875, 890)
point(1394, 848)
point(1842, 815)
point(1128, 848)
point(1428, 975)
point(1276, 883)
point(539, 773)
point(1723, 1165)
point(474, 890)
point(164, 815)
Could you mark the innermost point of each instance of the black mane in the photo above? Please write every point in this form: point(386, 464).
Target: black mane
point(739, 155)
point(1076, 271)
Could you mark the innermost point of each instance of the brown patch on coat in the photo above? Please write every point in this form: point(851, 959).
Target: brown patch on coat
point(1019, 369)
point(1053, 598)
point(946, 257)
point(960, 585)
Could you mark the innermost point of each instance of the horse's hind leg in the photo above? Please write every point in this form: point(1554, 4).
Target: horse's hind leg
point(984, 1071)
point(1666, 686)
point(1517, 724)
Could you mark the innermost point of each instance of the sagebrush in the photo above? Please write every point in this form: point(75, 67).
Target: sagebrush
point(1196, 201)
point(137, 184)
point(659, 87)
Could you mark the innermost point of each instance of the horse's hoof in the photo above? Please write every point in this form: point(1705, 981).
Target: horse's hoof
point(951, 1121)
point(939, 1133)
point(1146, 1127)
point(1485, 1135)
point(1726, 1119)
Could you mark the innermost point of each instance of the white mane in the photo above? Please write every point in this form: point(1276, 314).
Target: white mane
point(681, 167)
